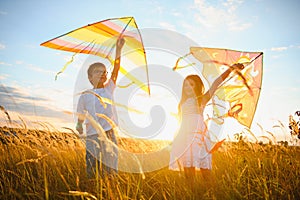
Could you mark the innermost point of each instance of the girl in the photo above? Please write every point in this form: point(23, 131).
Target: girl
point(191, 145)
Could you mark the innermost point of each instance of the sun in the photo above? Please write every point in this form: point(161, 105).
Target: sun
point(157, 118)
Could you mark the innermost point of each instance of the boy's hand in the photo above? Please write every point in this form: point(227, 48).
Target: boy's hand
point(120, 42)
point(79, 128)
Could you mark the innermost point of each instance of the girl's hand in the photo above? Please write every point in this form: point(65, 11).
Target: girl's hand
point(238, 66)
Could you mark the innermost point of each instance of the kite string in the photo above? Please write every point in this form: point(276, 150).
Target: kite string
point(237, 71)
point(110, 51)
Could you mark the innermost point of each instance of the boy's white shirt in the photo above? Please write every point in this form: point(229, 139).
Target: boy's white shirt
point(90, 103)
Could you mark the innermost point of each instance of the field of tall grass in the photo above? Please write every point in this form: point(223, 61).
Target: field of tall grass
point(36, 164)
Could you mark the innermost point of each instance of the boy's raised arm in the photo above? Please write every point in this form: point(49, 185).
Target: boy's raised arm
point(119, 45)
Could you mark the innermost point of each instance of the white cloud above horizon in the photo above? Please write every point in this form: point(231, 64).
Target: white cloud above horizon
point(26, 101)
point(4, 76)
point(167, 26)
point(3, 12)
point(5, 64)
point(2, 46)
point(40, 70)
point(278, 49)
point(220, 16)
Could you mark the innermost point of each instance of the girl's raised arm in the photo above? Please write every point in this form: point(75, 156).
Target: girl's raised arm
point(208, 95)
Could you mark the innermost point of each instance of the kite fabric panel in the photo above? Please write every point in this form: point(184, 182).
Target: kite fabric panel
point(100, 39)
point(240, 91)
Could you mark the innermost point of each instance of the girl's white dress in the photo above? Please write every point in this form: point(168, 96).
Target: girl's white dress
point(191, 145)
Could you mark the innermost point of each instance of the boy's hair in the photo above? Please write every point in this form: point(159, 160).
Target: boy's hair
point(92, 67)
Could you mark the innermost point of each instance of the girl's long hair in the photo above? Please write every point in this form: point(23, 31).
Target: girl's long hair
point(198, 90)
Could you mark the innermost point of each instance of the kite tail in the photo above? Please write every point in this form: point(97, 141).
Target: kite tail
point(96, 95)
point(179, 59)
point(103, 101)
point(65, 66)
point(216, 146)
point(126, 86)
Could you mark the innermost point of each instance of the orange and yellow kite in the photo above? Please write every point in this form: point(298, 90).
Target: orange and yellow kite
point(242, 91)
point(100, 38)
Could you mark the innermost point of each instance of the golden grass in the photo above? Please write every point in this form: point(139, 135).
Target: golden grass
point(37, 164)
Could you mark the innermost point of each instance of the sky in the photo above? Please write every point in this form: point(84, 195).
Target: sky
point(28, 89)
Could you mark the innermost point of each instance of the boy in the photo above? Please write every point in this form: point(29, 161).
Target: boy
point(97, 151)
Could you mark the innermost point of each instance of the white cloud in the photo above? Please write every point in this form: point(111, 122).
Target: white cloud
point(212, 16)
point(232, 5)
point(4, 76)
point(156, 7)
point(283, 48)
point(176, 13)
point(2, 46)
point(22, 102)
point(6, 64)
point(167, 26)
point(31, 99)
point(237, 26)
point(3, 12)
point(32, 46)
point(19, 62)
point(276, 56)
point(279, 48)
point(41, 70)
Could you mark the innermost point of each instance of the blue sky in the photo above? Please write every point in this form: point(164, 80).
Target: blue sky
point(28, 70)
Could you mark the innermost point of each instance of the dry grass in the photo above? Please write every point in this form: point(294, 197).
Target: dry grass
point(38, 164)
